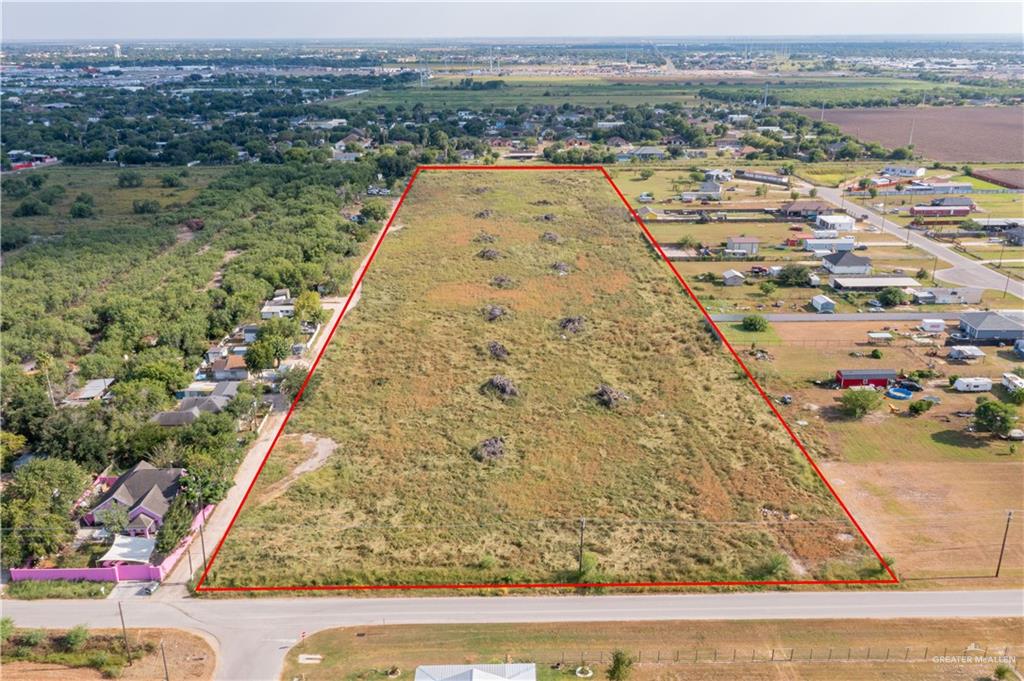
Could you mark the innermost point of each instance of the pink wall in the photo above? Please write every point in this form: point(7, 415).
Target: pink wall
point(118, 573)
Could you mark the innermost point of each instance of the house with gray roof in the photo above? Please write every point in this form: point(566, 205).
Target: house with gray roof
point(477, 672)
point(145, 493)
point(989, 326)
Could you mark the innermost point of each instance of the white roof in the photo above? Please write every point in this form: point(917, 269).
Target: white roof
point(879, 335)
point(967, 350)
point(835, 219)
point(477, 672)
point(130, 550)
point(732, 273)
point(872, 282)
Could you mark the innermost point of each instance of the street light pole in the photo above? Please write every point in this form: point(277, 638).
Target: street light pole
point(1002, 549)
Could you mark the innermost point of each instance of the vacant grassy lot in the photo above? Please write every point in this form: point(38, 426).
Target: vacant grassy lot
point(666, 650)
point(688, 477)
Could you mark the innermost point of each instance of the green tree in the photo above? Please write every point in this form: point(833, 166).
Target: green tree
point(793, 275)
point(768, 287)
point(621, 666)
point(177, 522)
point(755, 322)
point(31, 207)
point(646, 174)
point(115, 518)
point(892, 296)
point(260, 355)
point(293, 379)
point(375, 210)
point(920, 406)
point(308, 307)
point(859, 403)
point(81, 210)
point(995, 417)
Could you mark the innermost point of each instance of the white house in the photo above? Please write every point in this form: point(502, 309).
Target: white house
point(903, 171)
point(839, 223)
point(732, 278)
point(845, 262)
point(717, 175)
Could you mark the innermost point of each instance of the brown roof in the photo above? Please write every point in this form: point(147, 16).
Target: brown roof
point(228, 363)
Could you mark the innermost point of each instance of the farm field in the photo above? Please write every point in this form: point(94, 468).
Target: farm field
point(668, 650)
point(982, 132)
point(934, 493)
point(464, 451)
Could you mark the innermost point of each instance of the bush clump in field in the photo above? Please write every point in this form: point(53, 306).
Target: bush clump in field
point(858, 403)
point(489, 254)
point(502, 281)
point(547, 217)
point(493, 313)
point(491, 449)
point(754, 322)
point(502, 386)
point(572, 324)
point(484, 214)
point(608, 396)
point(485, 238)
point(550, 237)
point(497, 350)
point(920, 406)
point(561, 268)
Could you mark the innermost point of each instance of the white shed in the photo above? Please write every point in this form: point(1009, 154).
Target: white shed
point(933, 325)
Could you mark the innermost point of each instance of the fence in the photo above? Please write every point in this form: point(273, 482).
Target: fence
point(891, 654)
point(117, 573)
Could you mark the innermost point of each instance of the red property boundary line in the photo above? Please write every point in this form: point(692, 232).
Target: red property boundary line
point(893, 579)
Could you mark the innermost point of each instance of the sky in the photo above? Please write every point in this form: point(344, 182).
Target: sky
point(144, 20)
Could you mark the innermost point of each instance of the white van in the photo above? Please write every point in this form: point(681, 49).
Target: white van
point(973, 385)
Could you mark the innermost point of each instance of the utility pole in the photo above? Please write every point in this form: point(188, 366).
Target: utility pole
point(1006, 532)
point(124, 632)
point(163, 654)
point(583, 525)
point(202, 524)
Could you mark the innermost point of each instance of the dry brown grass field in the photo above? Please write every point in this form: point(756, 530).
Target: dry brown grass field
point(689, 477)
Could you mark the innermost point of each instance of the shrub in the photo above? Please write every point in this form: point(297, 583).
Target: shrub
point(620, 667)
point(995, 417)
point(76, 638)
point(170, 181)
point(953, 379)
point(921, 406)
point(129, 178)
point(81, 210)
point(6, 628)
point(876, 354)
point(30, 207)
point(755, 322)
point(146, 206)
point(858, 403)
point(33, 637)
point(892, 296)
point(768, 287)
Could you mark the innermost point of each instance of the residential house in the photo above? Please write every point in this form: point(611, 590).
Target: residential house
point(990, 326)
point(96, 389)
point(250, 332)
point(211, 404)
point(176, 418)
point(838, 223)
point(848, 378)
point(764, 178)
point(948, 296)
point(823, 304)
point(616, 141)
point(344, 156)
point(806, 208)
point(215, 352)
point(845, 262)
point(145, 493)
point(230, 368)
point(271, 310)
point(649, 154)
point(732, 278)
point(743, 245)
point(949, 201)
point(709, 191)
point(718, 175)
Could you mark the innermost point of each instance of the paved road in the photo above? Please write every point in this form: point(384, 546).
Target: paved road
point(964, 271)
point(849, 316)
point(253, 635)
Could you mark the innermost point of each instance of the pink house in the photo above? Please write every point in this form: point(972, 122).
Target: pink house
point(146, 492)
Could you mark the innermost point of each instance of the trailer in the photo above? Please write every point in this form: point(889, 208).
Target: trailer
point(976, 384)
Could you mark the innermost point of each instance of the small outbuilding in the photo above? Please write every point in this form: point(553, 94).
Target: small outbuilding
point(849, 378)
point(823, 304)
point(965, 353)
point(733, 278)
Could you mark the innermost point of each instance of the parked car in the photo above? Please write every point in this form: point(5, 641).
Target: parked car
point(912, 386)
point(151, 588)
point(874, 302)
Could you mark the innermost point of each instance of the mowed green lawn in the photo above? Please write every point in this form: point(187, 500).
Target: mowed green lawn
point(689, 477)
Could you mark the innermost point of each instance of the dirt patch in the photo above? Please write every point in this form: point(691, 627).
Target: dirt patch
point(321, 449)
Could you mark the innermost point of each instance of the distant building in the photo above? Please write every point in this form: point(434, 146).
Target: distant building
point(839, 223)
point(747, 245)
point(477, 672)
point(96, 389)
point(903, 171)
point(823, 304)
point(718, 175)
point(145, 492)
point(829, 245)
point(806, 208)
point(868, 283)
point(931, 211)
point(880, 378)
point(948, 296)
point(230, 368)
point(733, 278)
